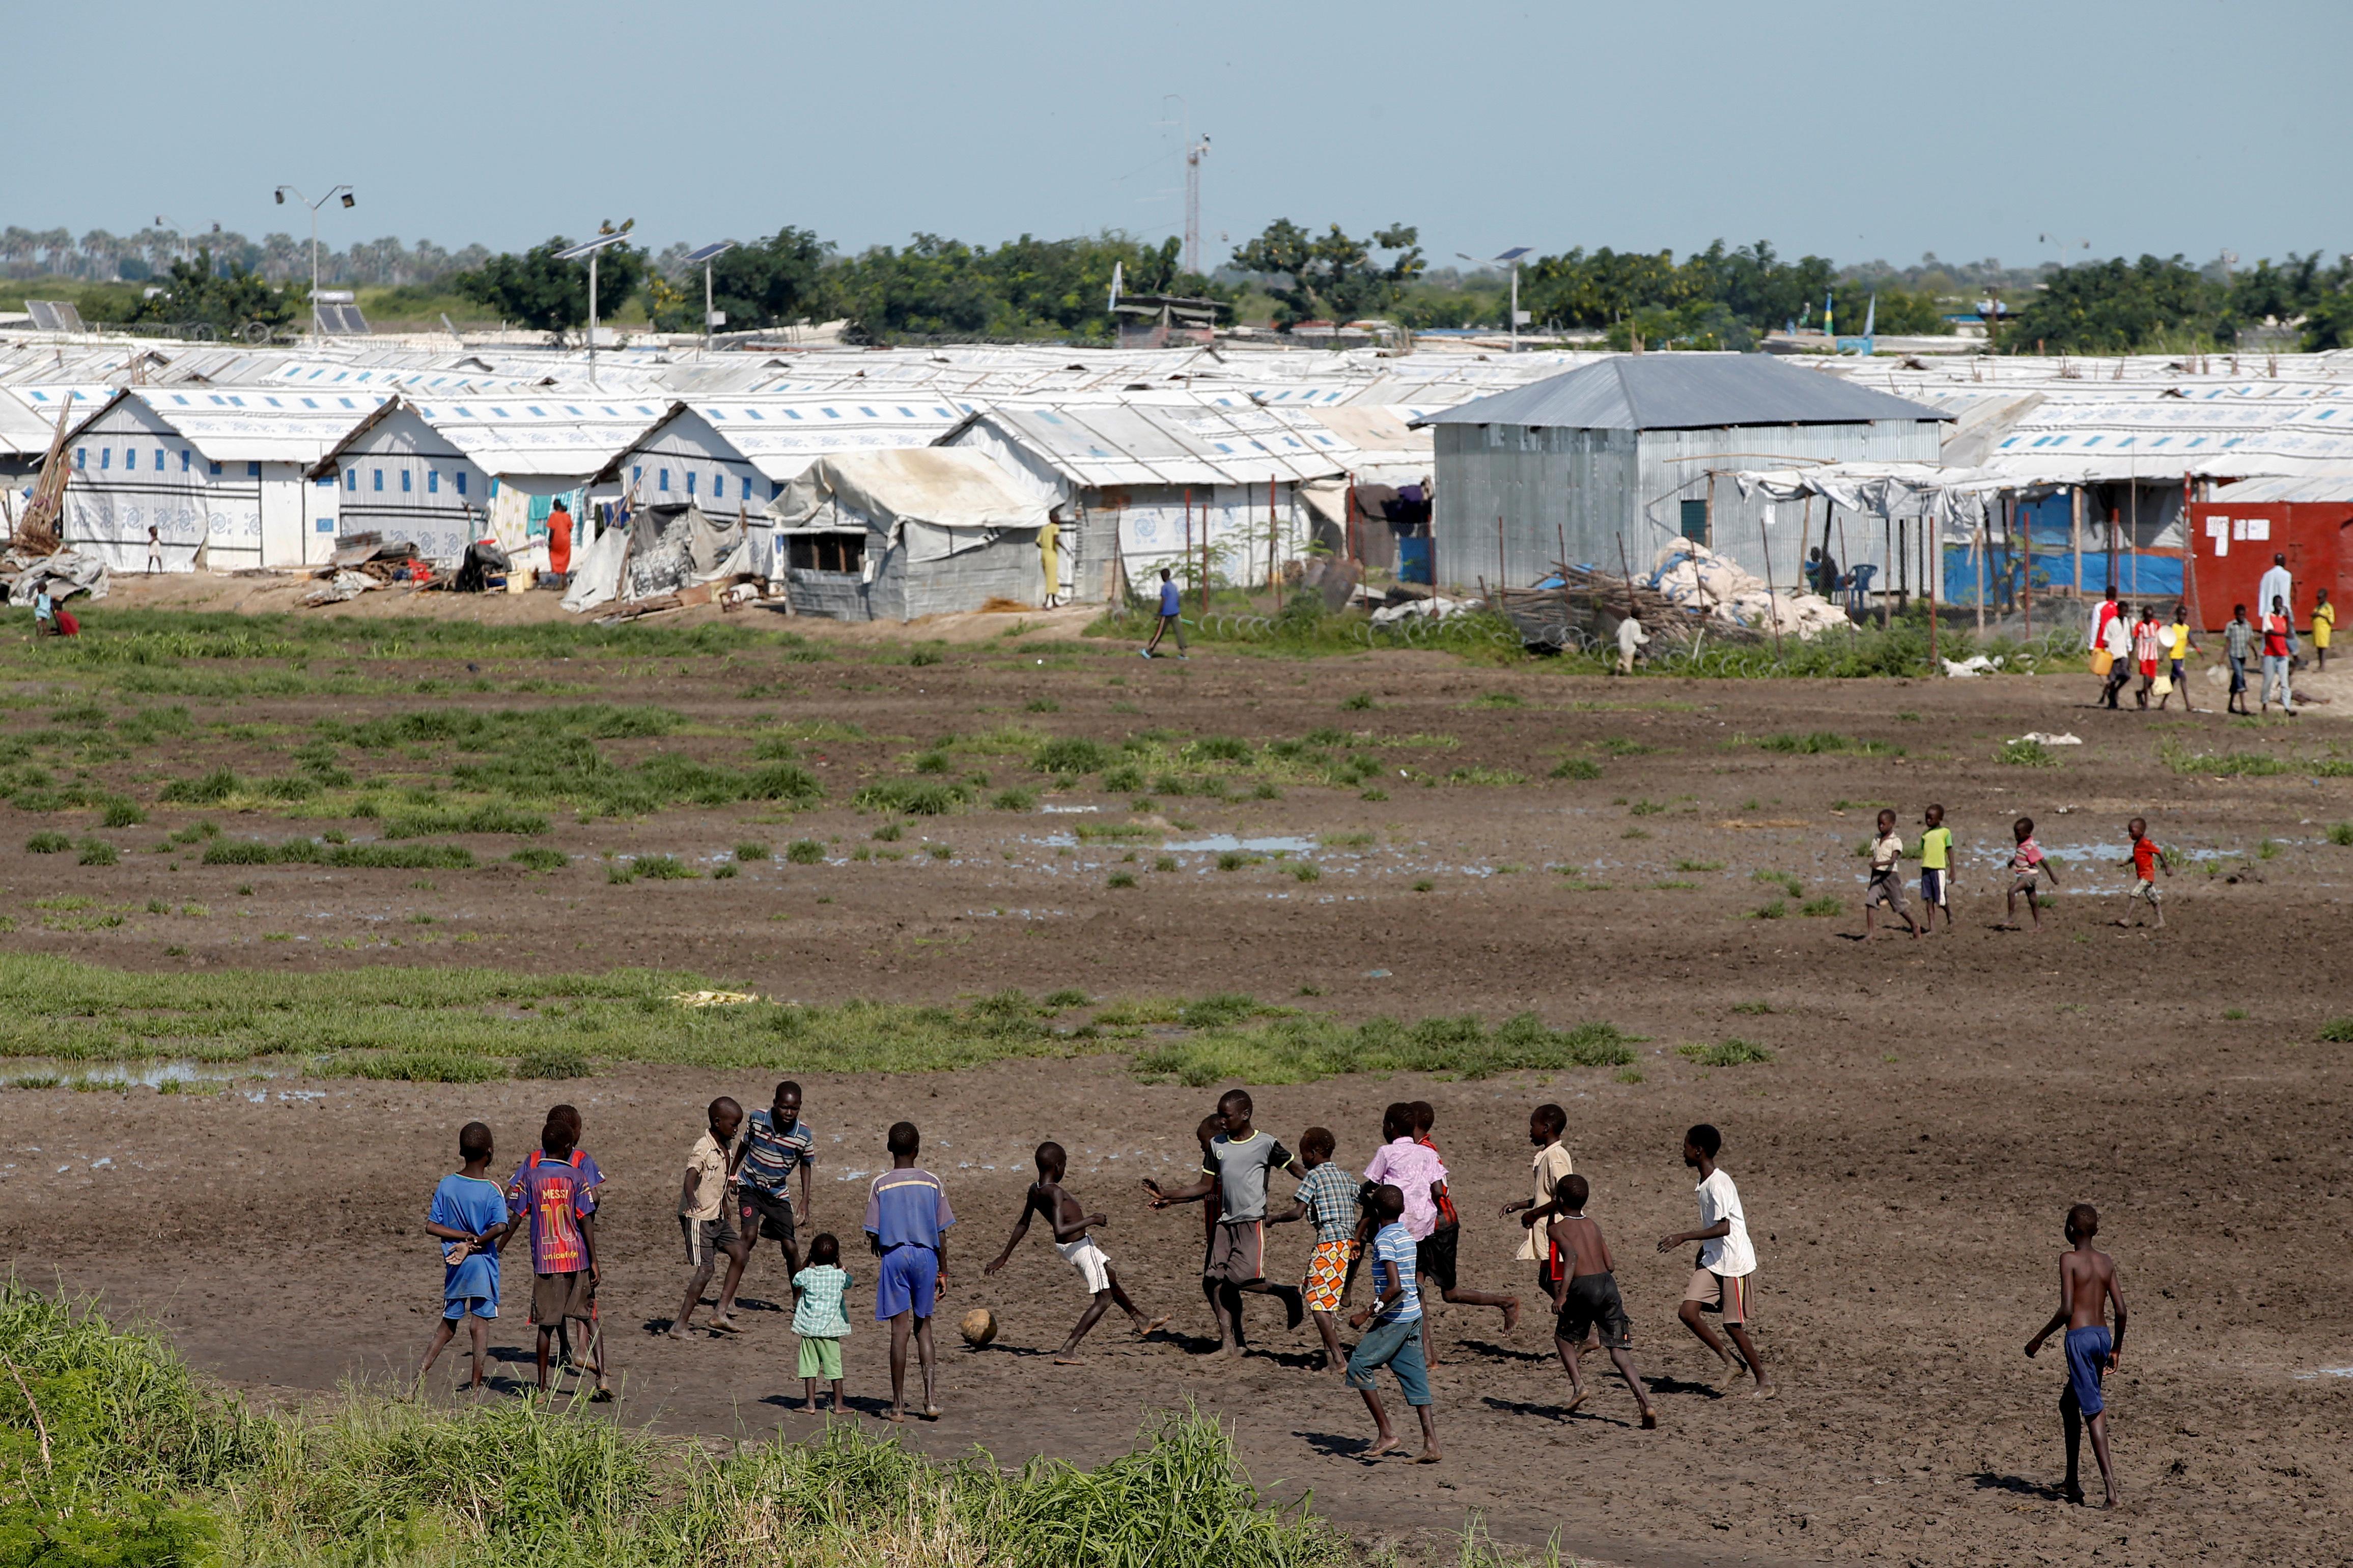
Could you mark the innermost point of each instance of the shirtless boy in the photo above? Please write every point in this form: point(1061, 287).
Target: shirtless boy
point(2087, 1283)
point(1585, 1295)
point(1068, 1224)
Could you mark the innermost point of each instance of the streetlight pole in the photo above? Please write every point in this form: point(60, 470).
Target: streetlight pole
point(588, 250)
point(707, 254)
point(1512, 258)
point(349, 200)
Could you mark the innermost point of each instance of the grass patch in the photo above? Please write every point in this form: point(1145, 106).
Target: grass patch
point(1073, 755)
point(2026, 754)
point(553, 1062)
point(345, 857)
point(1304, 1050)
point(1690, 866)
point(804, 852)
point(1121, 880)
point(492, 816)
point(2340, 834)
point(1725, 1054)
point(1826, 743)
point(99, 852)
point(49, 844)
point(1822, 908)
point(1015, 800)
point(2337, 1031)
point(1575, 768)
point(664, 868)
point(750, 849)
point(541, 859)
point(1773, 910)
point(914, 797)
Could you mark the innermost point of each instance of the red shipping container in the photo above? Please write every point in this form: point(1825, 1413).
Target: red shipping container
point(2235, 535)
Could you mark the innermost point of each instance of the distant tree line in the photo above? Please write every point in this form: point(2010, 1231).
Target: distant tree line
point(934, 287)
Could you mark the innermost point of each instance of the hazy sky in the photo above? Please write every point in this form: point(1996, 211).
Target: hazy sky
point(1855, 131)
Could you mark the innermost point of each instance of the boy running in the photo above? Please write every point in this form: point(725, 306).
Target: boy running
point(1395, 1337)
point(1585, 1295)
point(1414, 1169)
point(1728, 1263)
point(1327, 1199)
point(2087, 1283)
point(2026, 864)
point(1546, 1125)
point(1068, 1223)
point(1436, 1261)
point(703, 1218)
point(907, 1217)
point(555, 1194)
point(1237, 1164)
point(1886, 877)
point(774, 1143)
point(2146, 858)
point(1936, 867)
point(469, 1216)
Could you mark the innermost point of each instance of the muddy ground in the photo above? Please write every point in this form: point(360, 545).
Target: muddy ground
point(1905, 1158)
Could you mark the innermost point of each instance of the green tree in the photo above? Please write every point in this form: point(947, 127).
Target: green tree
point(1333, 277)
point(2119, 307)
point(1026, 287)
point(545, 295)
point(767, 283)
point(226, 299)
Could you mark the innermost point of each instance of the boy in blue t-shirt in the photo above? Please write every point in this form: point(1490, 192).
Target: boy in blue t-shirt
point(1395, 1340)
point(469, 1217)
point(1172, 618)
point(907, 1217)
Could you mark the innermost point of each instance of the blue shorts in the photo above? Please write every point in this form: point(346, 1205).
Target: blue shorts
point(1396, 1346)
point(908, 1281)
point(457, 1307)
point(1932, 886)
point(2087, 1363)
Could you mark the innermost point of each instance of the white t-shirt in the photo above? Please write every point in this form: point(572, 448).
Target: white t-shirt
point(1729, 1254)
point(2277, 581)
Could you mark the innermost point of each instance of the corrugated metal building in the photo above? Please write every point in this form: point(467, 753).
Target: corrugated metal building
point(1607, 463)
point(2234, 536)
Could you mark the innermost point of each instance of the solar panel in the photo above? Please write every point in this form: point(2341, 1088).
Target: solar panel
point(54, 316)
point(702, 254)
point(343, 322)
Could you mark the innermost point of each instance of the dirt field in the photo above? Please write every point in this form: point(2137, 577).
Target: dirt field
point(1905, 1158)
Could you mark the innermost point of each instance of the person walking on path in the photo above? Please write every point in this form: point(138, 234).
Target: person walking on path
point(2116, 643)
point(2279, 584)
point(2239, 646)
point(1172, 618)
point(2279, 653)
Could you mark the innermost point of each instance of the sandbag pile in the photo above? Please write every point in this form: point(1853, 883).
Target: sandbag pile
point(1693, 578)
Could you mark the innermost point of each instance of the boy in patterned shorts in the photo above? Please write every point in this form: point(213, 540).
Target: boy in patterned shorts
point(1326, 1198)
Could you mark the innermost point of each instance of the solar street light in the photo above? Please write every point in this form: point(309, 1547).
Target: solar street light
point(349, 200)
point(591, 250)
point(1508, 259)
point(706, 255)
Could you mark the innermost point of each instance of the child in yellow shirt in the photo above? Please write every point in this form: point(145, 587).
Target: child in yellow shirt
point(2324, 621)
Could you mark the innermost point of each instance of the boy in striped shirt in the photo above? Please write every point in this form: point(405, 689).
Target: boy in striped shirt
point(1395, 1337)
point(775, 1143)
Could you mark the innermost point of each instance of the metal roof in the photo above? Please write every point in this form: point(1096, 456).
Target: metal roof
point(564, 436)
point(1173, 440)
point(2337, 487)
point(250, 423)
point(1684, 392)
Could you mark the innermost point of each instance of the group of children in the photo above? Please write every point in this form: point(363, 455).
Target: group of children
point(2024, 871)
point(1399, 1218)
point(2159, 649)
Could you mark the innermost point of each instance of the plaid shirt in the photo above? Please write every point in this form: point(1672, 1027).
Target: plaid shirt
point(819, 1315)
point(1330, 1194)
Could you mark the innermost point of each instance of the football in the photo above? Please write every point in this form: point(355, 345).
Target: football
point(979, 1326)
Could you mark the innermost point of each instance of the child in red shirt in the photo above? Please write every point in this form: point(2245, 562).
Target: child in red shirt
point(2146, 858)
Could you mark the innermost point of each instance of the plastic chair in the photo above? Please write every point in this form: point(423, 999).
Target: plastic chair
point(1858, 587)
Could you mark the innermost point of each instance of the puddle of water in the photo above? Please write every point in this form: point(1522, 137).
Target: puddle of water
point(2325, 1372)
point(1223, 842)
point(1065, 810)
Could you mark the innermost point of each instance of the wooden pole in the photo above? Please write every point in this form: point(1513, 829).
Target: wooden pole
point(1773, 604)
point(1934, 666)
point(1189, 529)
point(1978, 548)
point(2026, 583)
point(2075, 534)
point(1274, 575)
point(1886, 594)
point(1501, 578)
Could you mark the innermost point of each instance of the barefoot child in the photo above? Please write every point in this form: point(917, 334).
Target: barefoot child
point(907, 1218)
point(1068, 1223)
point(591, 1180)
point(2087, 1283)
point(775, 1143)
point(1435, 1262)
point(1546, 1125)
point(1414, 1169)
point(470, 1215)
point(818, 1319)
point(1727, 1262)
point(2179, 648)
point(1395, 1337)
point(2027, 865)
point(2146, 858)
point(1585, 1295)
point(703, 1216)
point(1886, 877)
point(1237, 1163)
point(1936, 867)
point(1328, 1200)
point(555, 1194)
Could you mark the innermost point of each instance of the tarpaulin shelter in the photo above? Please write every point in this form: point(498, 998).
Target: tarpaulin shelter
point(892, 535)
point(656, 551)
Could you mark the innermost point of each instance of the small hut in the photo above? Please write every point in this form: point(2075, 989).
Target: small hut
point(892, 535)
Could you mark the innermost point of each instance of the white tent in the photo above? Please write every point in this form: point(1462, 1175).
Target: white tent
point(892, 535)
